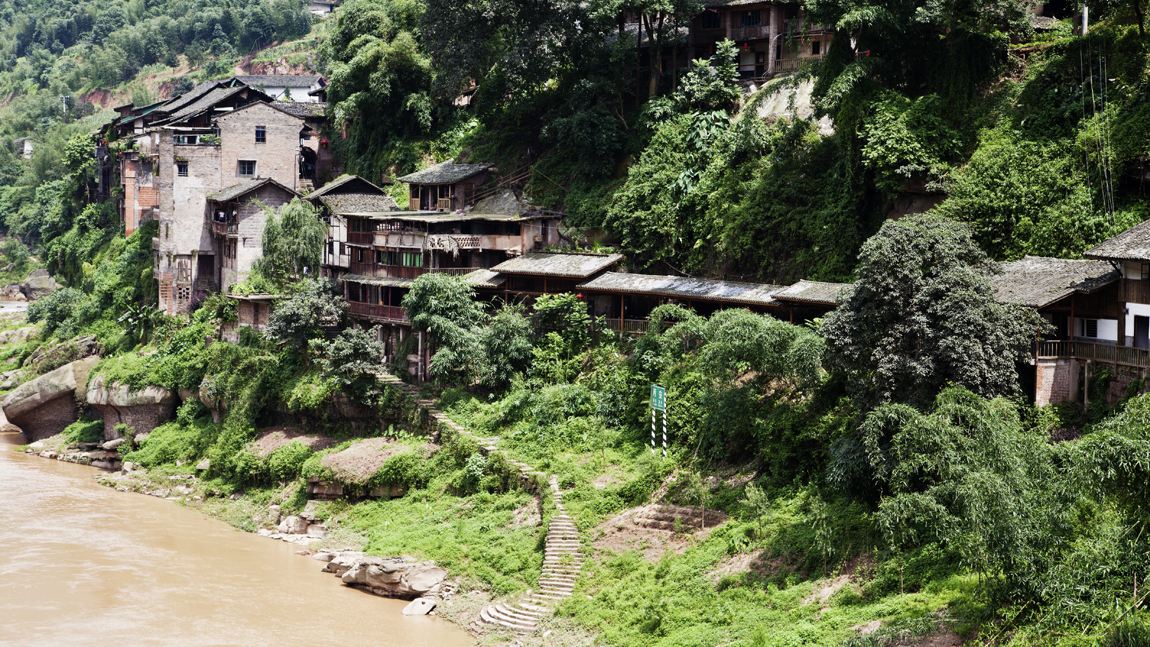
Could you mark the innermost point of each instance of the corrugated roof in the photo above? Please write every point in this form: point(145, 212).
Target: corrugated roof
point(575, 266)
point(345, 203)
point(684, 287)
point(244, 188)
point(1130, 245)
point(1038, 281)
point(444, 173)
point(813, 292)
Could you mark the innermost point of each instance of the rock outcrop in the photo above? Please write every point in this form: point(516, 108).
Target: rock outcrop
point(392, 577)
point(141, 409)
point(46, 405)
point(39, 284)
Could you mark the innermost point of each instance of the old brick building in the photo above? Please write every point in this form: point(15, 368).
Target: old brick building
point(185, 160)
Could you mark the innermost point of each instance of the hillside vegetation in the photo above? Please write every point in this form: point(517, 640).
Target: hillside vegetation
point(880, 477)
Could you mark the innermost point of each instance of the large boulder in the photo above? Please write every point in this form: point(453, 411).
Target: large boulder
point(141, 409)
point(39, 284)
point(46, 405)
point(392, 577)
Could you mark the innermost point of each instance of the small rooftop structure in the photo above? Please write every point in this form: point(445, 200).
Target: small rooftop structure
point(813, 293)
point(684, 287)
point(1130, 245)
point(570, 266)
point(1038, 281)
point(302, 109)
point(447, 172)
point(237, 191)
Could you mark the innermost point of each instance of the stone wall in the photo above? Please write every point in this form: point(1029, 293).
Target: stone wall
point(278, 158)
point(143, 410)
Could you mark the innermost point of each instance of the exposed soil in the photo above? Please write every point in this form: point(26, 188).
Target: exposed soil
point(827, 589)
point(625, 533)
point(756, 563)
point(273, 438)
point(527, 516)
point(362, 460)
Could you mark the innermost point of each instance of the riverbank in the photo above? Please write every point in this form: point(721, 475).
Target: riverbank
point(84, 564)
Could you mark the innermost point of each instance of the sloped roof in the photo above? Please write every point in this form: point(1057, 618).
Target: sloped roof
point(684, 287)
point(204, 103)
point(1130, 245)
point(382, 281)
point(180, 100)
point(1038, 281)
point(342, 204)
point(484, 279)
point(279, 80)
point(813, 292)
point(574, 266)
point(243, 188)
point(302, 109)
point(445, 173)
point(433, 217)
point(347, 183)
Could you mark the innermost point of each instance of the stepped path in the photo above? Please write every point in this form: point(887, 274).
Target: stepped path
point(562, 555)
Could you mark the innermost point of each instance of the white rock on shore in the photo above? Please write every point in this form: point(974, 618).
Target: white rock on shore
point(393, 577)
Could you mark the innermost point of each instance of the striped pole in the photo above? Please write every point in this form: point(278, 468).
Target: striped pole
point(664, 433)
point(652, 430)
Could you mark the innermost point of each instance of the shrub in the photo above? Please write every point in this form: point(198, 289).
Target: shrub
point(84, 431)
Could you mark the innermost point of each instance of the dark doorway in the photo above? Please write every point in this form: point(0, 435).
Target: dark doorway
point(1141, 331)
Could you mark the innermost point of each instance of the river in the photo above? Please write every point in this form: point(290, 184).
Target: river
point(82, 564)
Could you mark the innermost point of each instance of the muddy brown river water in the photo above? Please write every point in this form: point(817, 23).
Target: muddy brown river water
point(81, 564)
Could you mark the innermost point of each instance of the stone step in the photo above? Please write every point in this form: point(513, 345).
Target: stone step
point(513, 611)
point(546, 582)
point(494, 616)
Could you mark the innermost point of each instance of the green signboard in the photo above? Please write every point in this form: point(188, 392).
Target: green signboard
point(658, 398)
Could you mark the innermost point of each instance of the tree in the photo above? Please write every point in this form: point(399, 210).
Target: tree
point(444, 307)
point(292, 242)
point(967, 477)
point(352, 358)
point(923, 314)
point(660, 24)
point(305, 314)
point(506, 342)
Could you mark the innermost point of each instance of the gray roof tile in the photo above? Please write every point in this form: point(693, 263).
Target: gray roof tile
point(684, 287)
point(576, 266)
point(444, 173)
point(1038, 281)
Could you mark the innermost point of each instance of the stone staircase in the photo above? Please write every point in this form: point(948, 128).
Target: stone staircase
point(677, 518)
point(562, 555)
point(562, 560)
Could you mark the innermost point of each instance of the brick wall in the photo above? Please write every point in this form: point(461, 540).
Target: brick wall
point(1056, 380)
point(278, 158)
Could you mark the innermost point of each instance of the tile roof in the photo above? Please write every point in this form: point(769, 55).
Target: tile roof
point(434, 217)
point(357, 185)
point(485, 279)
point(345, 203)
point(575, 266)
point(382, 281)
point(813, 292)
point(244, 188)
point(279, 80)
point(1130, 245)
point(302, 109)
point(684, 287)
point(204, 103)
point(1038, 281)
point(445, 173)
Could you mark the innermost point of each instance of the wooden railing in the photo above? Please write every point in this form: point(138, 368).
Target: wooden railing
point(627, 326)
point(401, 272)
point(1095, 352)
point(376, 311)
point(750, 32)
point(224, 228)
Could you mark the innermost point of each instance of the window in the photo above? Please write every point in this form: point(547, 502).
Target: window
point(247, 168)
point(261, 134)
point(816, 47)
point(750, 18)
point(1145, 271)
point(1090, 328)
point(182, 169)
point(412, 259)
point(187, 140)
point(710, 20)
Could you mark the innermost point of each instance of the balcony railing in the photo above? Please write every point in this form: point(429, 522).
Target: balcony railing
point(752, 32)
point(628, 326)
point(401, 272)
point(1095, 352)
point(224, 228)
point(377, 312)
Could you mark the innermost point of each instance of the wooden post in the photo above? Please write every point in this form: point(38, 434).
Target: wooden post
point(1086, 385)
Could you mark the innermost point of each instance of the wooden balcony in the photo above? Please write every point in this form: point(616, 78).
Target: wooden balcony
point(225, 228)
point(753, 32)
point(364, 238)
point(401, 272)
point(1095, 352)
point(634, 327)
point(376, 312)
